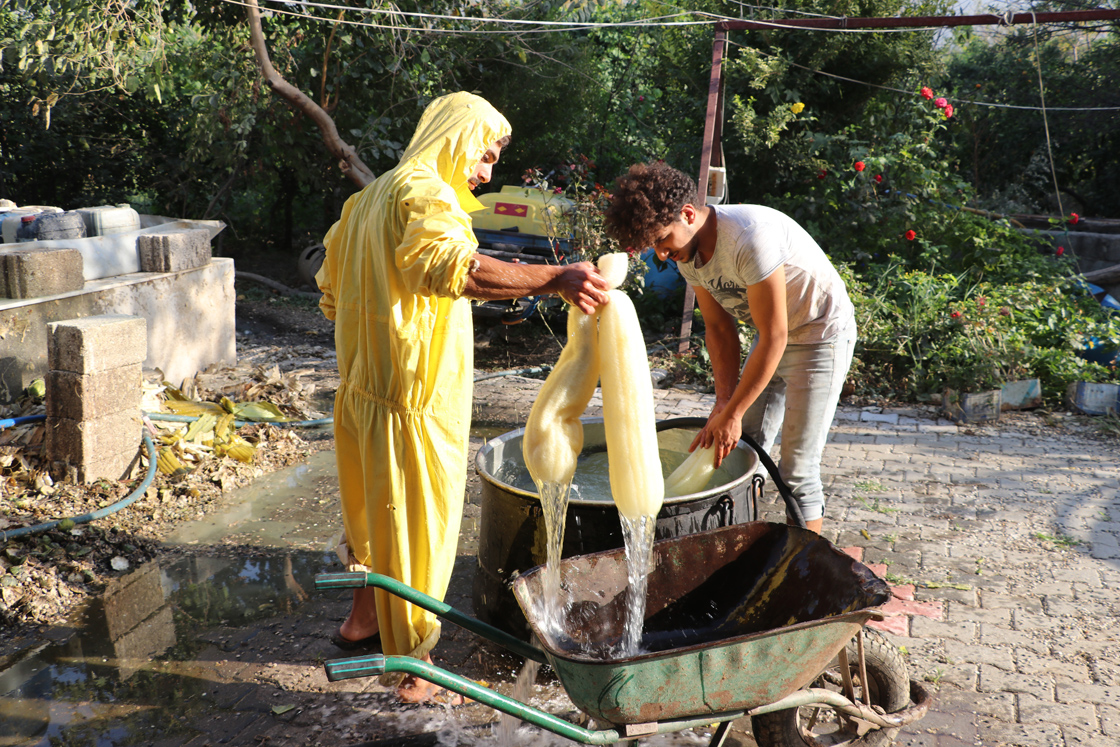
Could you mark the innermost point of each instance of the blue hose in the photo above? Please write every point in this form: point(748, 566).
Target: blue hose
point(13, 422)
point(169, 418)
point(99, 513)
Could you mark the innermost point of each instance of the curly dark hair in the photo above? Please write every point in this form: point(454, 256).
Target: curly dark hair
point(644, 200)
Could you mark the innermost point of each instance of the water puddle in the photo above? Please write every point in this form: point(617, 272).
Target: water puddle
point(123, 675)
point(293, 507)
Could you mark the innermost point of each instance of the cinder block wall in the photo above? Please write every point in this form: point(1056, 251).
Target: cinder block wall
point(94, 388)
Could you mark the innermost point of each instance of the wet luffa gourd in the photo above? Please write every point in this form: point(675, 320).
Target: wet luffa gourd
point(693, 473)
point(615, 352)
point(628, 417)
point(553, 433)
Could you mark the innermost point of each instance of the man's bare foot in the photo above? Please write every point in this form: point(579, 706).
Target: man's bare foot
point(362, 622)
point(414, 689)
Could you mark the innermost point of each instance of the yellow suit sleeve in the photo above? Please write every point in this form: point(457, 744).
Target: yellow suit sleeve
point(324, 277)
point(435, 254)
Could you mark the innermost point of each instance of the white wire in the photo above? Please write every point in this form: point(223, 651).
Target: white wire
point(957, 101)
point(654, 20)
point(643, 23)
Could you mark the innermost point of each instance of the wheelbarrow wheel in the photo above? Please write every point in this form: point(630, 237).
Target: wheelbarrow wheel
point(888, 684)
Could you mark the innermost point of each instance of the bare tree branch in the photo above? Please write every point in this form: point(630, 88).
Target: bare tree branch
point(349, 161)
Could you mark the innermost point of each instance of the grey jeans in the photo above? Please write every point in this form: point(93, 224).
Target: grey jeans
point(800, 401)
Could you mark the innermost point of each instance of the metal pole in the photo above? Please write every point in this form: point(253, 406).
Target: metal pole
point(988, 19)
point(711, 141)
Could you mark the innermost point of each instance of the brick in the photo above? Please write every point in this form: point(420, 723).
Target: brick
point(1078, 692)
point(37, 271)
point(87, 396)
point(1032, 710)
point(174, 252)
point(1110, 720)
point(989, 655)
point(896, 606)
point(97, 343)
point(993, 635)
point(895, 625)
point(1000, 734)
point(995, 680)
point(89, 441)
point(1030, 663)
point(921, 627)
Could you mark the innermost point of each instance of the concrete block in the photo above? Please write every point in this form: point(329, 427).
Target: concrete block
point(97, 343)
point(174, 252)
point(88, 396)
point(34, 272)
point(108, 467)
point(90, 442)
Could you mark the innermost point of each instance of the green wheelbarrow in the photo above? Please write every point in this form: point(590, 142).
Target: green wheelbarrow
point(757, 619)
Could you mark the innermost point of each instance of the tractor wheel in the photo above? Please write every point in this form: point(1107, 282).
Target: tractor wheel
point(819, 726)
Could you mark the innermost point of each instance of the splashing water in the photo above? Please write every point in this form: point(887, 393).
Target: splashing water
point(554, 502)
point(637, 532)
point(505, 731)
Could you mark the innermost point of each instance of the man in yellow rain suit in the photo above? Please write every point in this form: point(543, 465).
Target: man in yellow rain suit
point(400, 266)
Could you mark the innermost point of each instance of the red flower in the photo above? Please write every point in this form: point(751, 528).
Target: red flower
point(955, 315)
point(948, 111)
point(1060, 251)
point(910, 235)
point(981, 301)
point(878, 178)
point(1074, 217)
point(822, 174)
point(941, 103)
point(558, 190)
point(927, 93)
point(859, 166)
point(641, 98)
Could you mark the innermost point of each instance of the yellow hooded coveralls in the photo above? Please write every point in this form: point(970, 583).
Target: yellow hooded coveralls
point(392, 279)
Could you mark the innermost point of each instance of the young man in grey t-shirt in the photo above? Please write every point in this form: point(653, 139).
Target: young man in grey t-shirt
point(752, 264)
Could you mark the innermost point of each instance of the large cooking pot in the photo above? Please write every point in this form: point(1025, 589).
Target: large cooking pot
point(512, 537)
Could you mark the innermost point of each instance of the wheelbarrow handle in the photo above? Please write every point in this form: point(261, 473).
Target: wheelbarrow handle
point(378, 664)
point(360, 579)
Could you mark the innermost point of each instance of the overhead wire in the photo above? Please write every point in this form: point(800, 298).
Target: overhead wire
point(576, 25)
point(651, 22)
point(912, 93)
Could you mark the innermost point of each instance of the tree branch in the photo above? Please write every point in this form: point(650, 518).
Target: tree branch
point(349, 161)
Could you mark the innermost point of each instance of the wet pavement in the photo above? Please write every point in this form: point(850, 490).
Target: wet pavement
point(1002, 544)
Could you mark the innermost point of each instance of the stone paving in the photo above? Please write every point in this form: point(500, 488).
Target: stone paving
point(1002, 543)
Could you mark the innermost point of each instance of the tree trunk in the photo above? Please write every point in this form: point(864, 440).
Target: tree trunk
point(349, 161)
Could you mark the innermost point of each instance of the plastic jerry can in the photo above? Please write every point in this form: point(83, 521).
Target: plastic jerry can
point(106, 220)
point(26, 230)
point(54, 226)
point(11, 222)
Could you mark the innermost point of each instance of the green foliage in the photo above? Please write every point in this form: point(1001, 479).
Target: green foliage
point(921, 332)
point(1003, 149)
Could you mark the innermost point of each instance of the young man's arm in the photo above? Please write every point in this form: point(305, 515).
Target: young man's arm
point(767, 301)
point(492, 279)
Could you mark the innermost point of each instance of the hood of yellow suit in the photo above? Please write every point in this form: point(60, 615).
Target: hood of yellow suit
point(452, 136)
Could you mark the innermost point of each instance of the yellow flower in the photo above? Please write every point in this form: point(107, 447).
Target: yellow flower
point(797, 108)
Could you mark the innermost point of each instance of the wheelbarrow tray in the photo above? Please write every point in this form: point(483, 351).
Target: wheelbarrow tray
point(736, 618)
